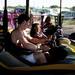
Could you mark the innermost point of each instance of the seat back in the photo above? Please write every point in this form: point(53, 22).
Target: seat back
point(9, 60)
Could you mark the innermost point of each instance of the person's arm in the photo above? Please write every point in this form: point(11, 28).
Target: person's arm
point(32, 39)
point(27, 44)
point(29, 38)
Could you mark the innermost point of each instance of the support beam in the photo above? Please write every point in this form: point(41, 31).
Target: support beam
point(59, 16)
point(5, 23)
point(60, 22)
point(27, 7)
point(5, 18)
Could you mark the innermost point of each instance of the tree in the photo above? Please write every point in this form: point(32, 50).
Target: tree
point(73, 8)
point(54, 6)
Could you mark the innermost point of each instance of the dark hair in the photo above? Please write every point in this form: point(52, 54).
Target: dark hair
point(23, 17)
point(48, 18)
point(34, 29)
point(50, 31)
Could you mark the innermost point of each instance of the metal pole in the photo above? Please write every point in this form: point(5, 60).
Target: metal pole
point(5, 23)
point(5, 18)
point(27, 7)
point(60, 14)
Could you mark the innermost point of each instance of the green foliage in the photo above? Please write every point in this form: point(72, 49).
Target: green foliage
point(73, 8)
point(69, 22)
point(54, 6)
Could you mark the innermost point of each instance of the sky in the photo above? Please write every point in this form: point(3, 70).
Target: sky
point(38, 3)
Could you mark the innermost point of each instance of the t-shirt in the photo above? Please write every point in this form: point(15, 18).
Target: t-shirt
point(50, 30)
